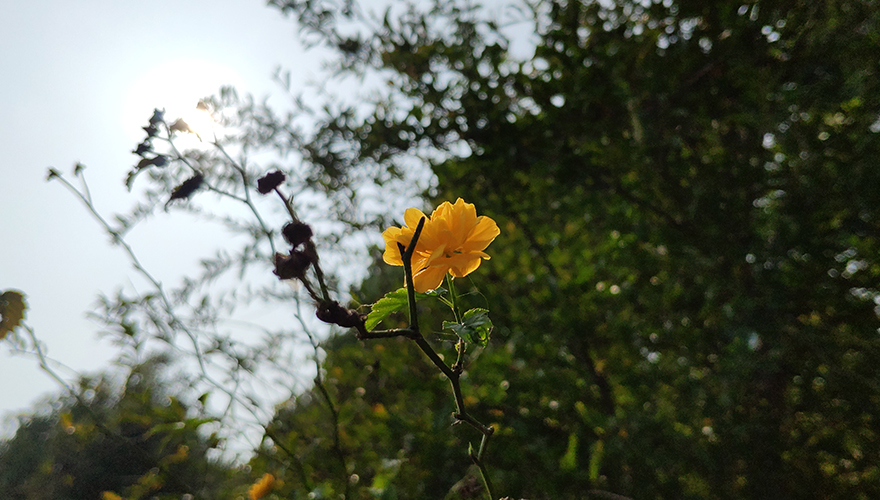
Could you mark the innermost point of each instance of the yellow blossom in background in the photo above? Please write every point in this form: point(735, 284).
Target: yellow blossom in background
point(109, 495)
point(262, 487)
point(67, 423)
point(452, 241)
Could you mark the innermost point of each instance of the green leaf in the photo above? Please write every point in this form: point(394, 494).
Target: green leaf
point(569, 460)
point(475, 326)
point(391, 303)
point(596, 459)
point(12, 309)
point(437, 292)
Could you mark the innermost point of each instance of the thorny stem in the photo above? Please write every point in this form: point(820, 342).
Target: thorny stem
point(313, 252)
point(287, 204)
point(453, 374)
point(310, 248)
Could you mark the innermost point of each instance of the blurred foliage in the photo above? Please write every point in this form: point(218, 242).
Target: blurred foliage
point(687, 269)
point(12, 309)
point(136, 441)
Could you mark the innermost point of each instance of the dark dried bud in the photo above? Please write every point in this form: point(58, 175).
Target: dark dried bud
point(333, 313)
point(158, 116)
point(297, 233)
point(161, 161)
point(180, 125)
point(291, 266)
point(270, 181)
point(188, 187)
point(151, 131)
point(144, 147)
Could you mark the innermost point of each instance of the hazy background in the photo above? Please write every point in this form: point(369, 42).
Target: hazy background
point(79, 80)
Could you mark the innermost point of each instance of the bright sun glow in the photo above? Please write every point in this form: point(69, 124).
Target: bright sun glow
point(177, 86)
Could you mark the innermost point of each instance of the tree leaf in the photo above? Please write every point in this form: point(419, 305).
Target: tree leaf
point(12, 309)
point(391, 303)
point(570, 459)
point(596, 454)
point(475, 326)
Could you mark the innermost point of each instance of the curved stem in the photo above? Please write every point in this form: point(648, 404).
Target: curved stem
point(247, 194)
point(160, 291)
point(453, 297)
point(460, 347)
point(484, 473)
point(454, 373)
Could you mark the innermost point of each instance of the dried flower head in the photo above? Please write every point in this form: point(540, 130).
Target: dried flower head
point(296, 233)
point(270, 181)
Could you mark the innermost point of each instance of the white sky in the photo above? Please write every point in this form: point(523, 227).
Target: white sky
point(72, 74)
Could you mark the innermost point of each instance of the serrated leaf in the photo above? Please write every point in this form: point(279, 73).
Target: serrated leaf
point(437, 292)
point(475, 326)
point(391, 303)
point(12, 309)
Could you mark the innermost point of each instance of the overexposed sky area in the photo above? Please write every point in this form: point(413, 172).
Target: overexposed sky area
point(77, 81)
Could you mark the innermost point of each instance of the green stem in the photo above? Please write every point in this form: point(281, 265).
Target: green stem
point(456, 311)
point(453, 296)
point(485, 475)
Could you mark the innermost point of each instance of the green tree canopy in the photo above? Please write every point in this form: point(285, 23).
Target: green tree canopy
point(686, 281)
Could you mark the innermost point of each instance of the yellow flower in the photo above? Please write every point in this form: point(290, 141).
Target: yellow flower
point(109, 495)
point(452, 241)
point(262, 487)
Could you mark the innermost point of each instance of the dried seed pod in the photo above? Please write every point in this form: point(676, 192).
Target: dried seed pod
point(270, 181)
point(297, 233)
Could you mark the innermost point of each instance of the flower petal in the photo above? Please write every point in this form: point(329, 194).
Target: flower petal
point(465, 217)
point(464, 265)
point(412, 216)
point(452, 240)
point(436, 253)
point(483, 233)
point(393, 236)
point(429, 278)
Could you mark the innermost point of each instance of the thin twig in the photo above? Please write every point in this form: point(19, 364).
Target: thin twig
point(319, 383)
point(99, 423)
